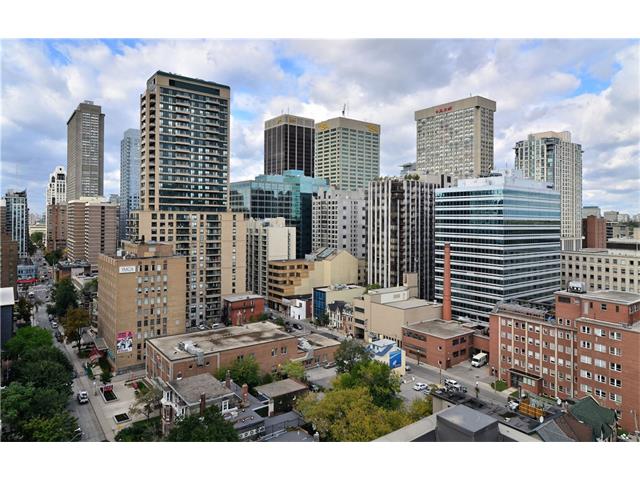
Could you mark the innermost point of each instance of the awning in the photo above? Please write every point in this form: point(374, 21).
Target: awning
point(100, 344)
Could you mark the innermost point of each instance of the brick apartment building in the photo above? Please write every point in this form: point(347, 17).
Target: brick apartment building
point(180, 356)
point(242, 308)
point(594, 232)
point(590, 345)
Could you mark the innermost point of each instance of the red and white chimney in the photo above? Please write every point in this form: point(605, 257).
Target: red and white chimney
point(446, 293)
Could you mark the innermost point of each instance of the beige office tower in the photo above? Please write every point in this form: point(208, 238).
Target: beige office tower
point(267, 240)
point(92, 229)
point(184, 180)
point(552, 157)
point(347, 152)
point(141, 295)
point(340, 221)
point(456, 138)
point(85, 152)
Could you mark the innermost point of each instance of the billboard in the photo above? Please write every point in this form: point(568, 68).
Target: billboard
point(124, 342)
point(127, 269)
point(395, 358)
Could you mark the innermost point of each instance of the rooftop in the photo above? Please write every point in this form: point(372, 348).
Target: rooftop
point(297, 435)
point(379, 291)
point(282, 387)
point(466, 418)
point(625, 298)
point(320, 341)
point(6, 296)
point(440, 328)
point(212, 341)
point(190, 388)
point(410, 303)
point(337, 287)
point(241, 296)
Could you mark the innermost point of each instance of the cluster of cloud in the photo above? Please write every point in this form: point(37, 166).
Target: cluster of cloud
point(589, 87)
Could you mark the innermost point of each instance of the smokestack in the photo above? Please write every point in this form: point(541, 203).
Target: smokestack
point(227, 380)
point(203, 403)
point(245, 394)
point(446, 294)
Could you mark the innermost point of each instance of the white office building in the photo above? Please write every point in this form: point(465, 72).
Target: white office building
point(340, 221)
point(129, 178)
point(268, 239)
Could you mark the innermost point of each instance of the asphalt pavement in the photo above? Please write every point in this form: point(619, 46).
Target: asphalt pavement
point(87, 419)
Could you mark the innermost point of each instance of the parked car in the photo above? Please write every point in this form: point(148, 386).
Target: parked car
point(54, 324)
point(58, 336)
point(83, 397)
point(201, 326)
point(513, 405)
point(216, 325)
point(288, 329)
point(329, 364)
point(297, 326)
point(419, 386)
point(407, 368)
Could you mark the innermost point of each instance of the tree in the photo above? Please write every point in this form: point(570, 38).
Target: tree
point(53, 256)
point(293, 370)
point(37, 239)
point(105, 376)
point(322, 320)
point(147, 403)
point(378, 378)
point(64, 296)
point(348, 354)
point(61, 427)
point(23, 310)
point(31, 247)
point(420, 408)
point(243, 370)
point(44, 374)
point(349, 415)
point(373, 286)
point(211, 427)
point(142, 431)
point(47, 352)
point(28, 338)
point(74, 323)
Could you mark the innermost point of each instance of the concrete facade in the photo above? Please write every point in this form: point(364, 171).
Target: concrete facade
point(456, 138)
point(85, 152)
point(602, 269)
point(552, 157)
point(347, 152)
point(129, 178)
point(340, 221)
point(267, 240)
point(92, 229)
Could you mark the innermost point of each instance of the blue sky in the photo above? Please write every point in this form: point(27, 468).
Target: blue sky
point(589, 87)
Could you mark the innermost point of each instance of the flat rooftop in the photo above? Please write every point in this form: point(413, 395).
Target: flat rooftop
point(440, 328)
point(241, 296)
point(282, 387)
point(625, 298)
point(190, 388)
point(212, 341)
point(6, 296)
point(320, 341)
point(379, 291)
point(410, 303)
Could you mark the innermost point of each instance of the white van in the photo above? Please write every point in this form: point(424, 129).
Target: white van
point(479, 359)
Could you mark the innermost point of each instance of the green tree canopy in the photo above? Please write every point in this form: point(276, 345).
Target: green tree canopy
point(60, 427)
point(64, 296)
point(53, 256)
point(23, 310)
point(420, 408)
point(212, 427)
point(292, 370)
point(48, 352)
point(349, 415)
point(45, 374)
point(378, 378)
point(147, 402)
point(243, 370)
point(26, 339)
point(74, 322)
point(348, 354)
point(37, 239)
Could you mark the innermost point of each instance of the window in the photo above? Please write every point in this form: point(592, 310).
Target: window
point(600, 393)
point(225, 405)
point(585, 329)
point(585, 344)
point(601, 378)
point(585, 388)
point(585, 359)
point(603, 306)
point(615, 335)
point(616, 398)
point(600, 363)
point(586, 374)
point(615, 351)
point(616, 367)
point(600, 348)
point(615, 382)
point(600, 332)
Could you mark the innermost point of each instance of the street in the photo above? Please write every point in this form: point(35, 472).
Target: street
point(87, 419)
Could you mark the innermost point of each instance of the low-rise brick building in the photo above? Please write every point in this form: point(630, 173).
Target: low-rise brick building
point(588, 345)
point(242, 308)
point(179, 356)
point(439, 343)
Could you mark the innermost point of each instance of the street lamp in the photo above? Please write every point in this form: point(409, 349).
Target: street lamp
point(440, 370)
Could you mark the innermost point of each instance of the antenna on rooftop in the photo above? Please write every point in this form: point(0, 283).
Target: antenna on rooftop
point(344, 107)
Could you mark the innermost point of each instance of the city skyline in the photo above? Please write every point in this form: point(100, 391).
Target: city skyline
point(583, 86)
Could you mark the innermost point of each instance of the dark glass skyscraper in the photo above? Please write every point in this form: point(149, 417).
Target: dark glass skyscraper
point(288, 195)
point(289, 145)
